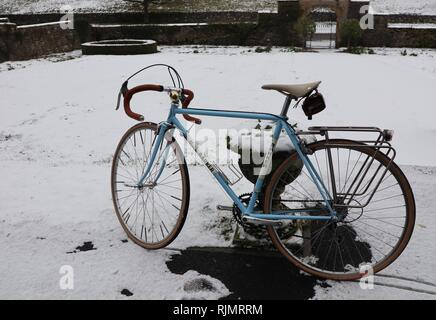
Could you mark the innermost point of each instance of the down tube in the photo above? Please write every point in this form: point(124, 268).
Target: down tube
point(227, 189)
point(312, 171)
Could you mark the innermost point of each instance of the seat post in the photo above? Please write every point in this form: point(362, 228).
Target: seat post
point(286, 105)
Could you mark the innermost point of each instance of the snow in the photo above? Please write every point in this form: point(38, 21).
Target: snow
point(427, 7)
point(59, 130)
point(150, 24)
point(40, 6)
point(325, 27)
point(42, 24)
point(258, 140)
point(118, 43)
point(412, 25)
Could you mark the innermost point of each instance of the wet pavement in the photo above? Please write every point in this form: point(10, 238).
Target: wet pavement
point(247, 273)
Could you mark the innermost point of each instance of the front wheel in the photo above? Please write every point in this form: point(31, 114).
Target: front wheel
point(374, 224)
point(153, 215)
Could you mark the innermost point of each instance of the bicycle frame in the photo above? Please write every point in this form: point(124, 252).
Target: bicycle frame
point(280, 122)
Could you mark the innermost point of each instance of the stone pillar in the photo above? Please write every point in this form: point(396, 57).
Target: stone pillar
point(289, 10)
point(341, 15)
point(354, 9)
point(7, 35)
point(354, 12)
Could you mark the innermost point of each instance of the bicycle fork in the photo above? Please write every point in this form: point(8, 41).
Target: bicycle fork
point(164, 128)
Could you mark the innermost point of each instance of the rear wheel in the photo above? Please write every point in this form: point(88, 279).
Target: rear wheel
point(374, 225)
point(152, 216)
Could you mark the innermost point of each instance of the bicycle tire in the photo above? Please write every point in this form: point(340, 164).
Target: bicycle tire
point(184, 205)
point(403, 185)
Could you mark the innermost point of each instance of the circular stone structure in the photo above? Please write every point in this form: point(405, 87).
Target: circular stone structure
point(120, 47)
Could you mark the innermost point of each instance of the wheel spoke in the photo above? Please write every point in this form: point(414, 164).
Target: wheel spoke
point(150, 215)
point(365, 232)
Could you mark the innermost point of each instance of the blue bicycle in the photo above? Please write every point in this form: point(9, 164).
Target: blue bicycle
point(336, 208)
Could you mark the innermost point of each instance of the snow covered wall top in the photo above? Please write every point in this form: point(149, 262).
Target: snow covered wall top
point(404, 6)
point(41, 6)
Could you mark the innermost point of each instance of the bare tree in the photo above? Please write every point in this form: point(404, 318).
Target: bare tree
point(145, 4)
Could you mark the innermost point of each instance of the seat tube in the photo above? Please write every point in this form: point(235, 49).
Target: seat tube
point(286, 106)
point(310, 168)
point(266, 167)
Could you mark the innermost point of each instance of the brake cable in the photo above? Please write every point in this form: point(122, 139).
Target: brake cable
point(124, 87)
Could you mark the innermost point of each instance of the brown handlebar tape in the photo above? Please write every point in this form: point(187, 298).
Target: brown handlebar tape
point(154, 87)
point(129, 94)
point(189, 96)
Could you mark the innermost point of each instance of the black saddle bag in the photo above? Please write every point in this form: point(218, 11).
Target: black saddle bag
point(313, 104)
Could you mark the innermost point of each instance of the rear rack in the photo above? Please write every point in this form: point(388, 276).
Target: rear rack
point(381, 143)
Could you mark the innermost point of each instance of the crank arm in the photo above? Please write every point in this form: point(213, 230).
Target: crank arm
point(224, 208)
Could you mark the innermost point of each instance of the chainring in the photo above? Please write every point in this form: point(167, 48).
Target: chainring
point(237, 214)
point(257, 231)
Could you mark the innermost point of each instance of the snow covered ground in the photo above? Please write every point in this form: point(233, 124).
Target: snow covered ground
point(58, 130)
point(40, 6)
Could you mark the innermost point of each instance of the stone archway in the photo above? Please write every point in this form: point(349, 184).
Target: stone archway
point(340, 7)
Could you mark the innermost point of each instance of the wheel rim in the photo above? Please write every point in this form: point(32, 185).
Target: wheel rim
point(373, 236)
point(152, 215)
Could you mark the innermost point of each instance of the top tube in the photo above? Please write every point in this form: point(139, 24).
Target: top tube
point(230, 114)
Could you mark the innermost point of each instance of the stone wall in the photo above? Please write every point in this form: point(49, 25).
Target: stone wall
point(136, 17)
point(248, 34)
point(412, 38)
point(268, 29)
point(409, 18)
point(382, 36)
point(7, 32)
point(33, 41)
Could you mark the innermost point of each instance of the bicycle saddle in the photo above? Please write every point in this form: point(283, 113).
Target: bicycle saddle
point(295, 90)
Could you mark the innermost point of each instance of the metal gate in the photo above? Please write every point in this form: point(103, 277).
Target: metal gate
point(324, 37)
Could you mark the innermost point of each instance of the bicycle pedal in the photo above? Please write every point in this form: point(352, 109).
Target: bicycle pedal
point(224, 208)
point(262, 222)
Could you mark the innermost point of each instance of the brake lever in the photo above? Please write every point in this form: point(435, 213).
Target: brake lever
point(123, 91)
point(182, 97)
